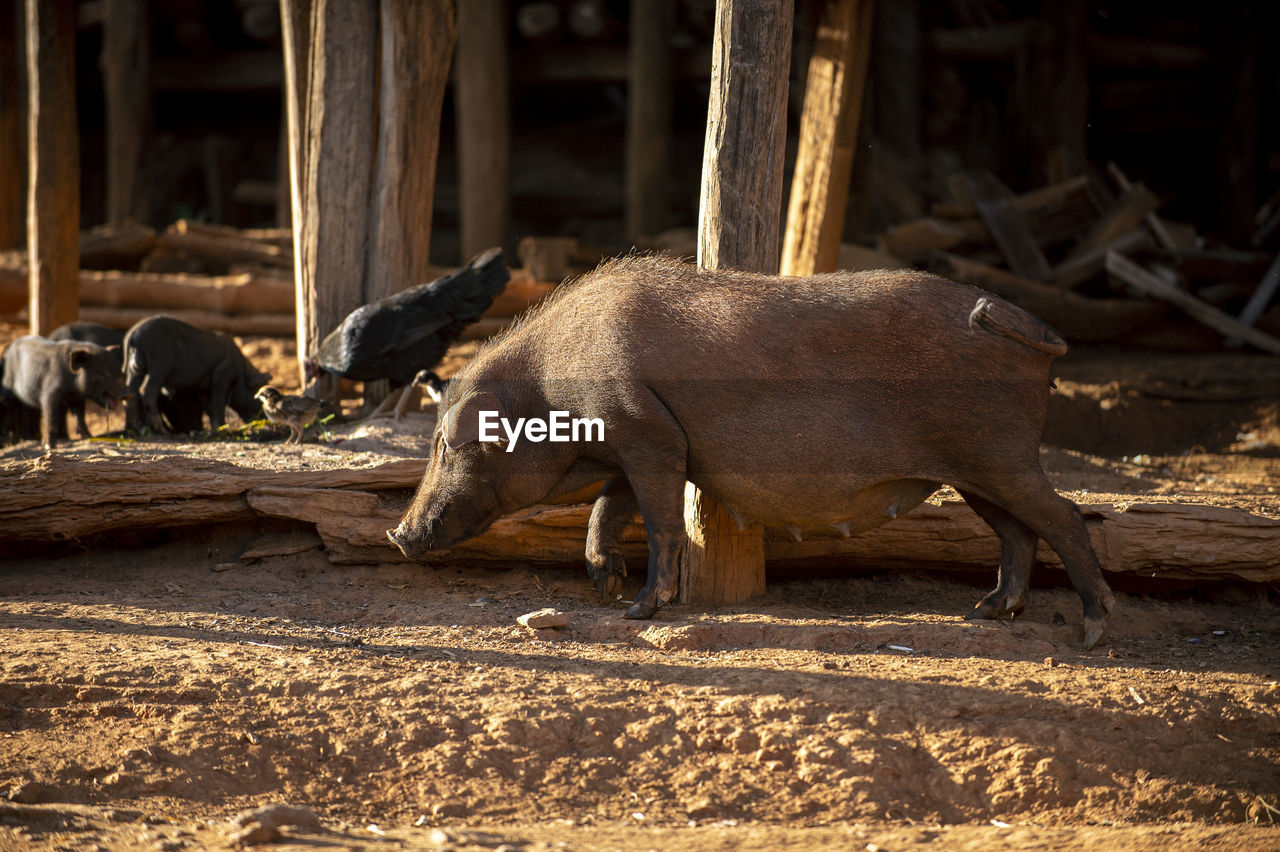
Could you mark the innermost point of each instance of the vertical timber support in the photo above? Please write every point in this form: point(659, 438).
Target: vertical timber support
point(417, 41)
point(53, 164)
point(1055, 127)
point(330, 235)
point(828, 136)
point(13, 130)
point(295, 37)
point(649, 99)
point(126, 71)
point(363, 121)
point(481, 104)
point(738, 224)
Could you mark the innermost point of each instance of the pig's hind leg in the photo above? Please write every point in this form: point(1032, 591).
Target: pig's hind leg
point(1030, 497)
point(1017, 554)
point(613, 510)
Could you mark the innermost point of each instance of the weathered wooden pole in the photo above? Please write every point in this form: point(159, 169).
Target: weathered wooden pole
point(126, 71)
point(649, 102)
point(13, 124)
point(738, 224)
point(363, 151)
point(53, 163)
point(481, 104)
point(331, 232)
point(295, 35)
point(828, 135)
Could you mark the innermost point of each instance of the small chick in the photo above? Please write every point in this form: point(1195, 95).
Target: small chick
point(293, 411)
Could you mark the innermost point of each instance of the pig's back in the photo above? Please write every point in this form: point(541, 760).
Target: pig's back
point(827, 384)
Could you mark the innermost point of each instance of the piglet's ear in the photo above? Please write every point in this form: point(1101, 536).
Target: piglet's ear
point(78, 357)
point(461, 423)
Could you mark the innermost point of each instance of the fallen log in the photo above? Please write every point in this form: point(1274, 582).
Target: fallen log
point(265, 325)
point(83, 492)
point(225, 245)
point(244, 293)
point(115, 245)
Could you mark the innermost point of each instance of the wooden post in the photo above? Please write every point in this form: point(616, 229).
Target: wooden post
point(13, 157)
point(1053, 127)
point(648, 118)
point(126, 71)
point(330, 235)
point(484, 131)
point(295, 37)
point(53, 149)
point(738, 221)
point(828, 135)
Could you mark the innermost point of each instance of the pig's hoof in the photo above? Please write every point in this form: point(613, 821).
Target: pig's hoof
point(1095, 630)
point(994, 608)
point(640, 611)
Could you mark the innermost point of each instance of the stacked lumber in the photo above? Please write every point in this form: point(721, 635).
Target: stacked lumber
point(1093, 259)
point(212, 276)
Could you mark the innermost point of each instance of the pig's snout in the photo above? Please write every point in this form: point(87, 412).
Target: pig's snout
point(414, 542)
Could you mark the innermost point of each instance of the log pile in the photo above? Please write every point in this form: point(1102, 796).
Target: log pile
point(211, 276)
point(1093, 259)
point(351, 508)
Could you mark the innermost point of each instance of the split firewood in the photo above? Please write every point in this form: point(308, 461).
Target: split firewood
point(1140, 279)
point(1009, 227)
point(1129, 213)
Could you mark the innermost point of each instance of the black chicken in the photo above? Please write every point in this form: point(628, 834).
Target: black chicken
point(401, 336)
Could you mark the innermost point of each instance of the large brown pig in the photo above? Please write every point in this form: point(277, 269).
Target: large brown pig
point(828, 405)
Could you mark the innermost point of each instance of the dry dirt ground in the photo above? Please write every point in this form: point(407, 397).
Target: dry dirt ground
point(150, 694)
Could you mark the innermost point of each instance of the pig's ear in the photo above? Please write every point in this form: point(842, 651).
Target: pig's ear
point(78, 357)
point(461, 423)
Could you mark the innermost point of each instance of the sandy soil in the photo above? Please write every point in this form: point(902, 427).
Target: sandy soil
point(147, 696)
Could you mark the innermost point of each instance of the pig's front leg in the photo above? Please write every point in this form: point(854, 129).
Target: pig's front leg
point(52, 416)
point(82, 428)
point(613, 510)
point(654, 455)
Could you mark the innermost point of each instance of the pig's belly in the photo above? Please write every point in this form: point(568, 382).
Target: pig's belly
point(844, 507)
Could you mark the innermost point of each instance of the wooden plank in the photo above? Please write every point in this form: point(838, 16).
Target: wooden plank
point(738, 220)
point(1053, 127)
point(13, 131)
point(1077, 270)
point(649, 103)
point(482, 107)
point(1129, 212)
point(1154, 222)
point(333, 230)
point(126, 72)
point(1008, 226)
point(1140, 279)
point(828, 136)
point(53, 149)
point(1261, 297)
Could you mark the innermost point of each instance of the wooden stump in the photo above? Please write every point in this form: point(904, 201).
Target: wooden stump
point(738, 227)
point(828, 134)
point(53, 197)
